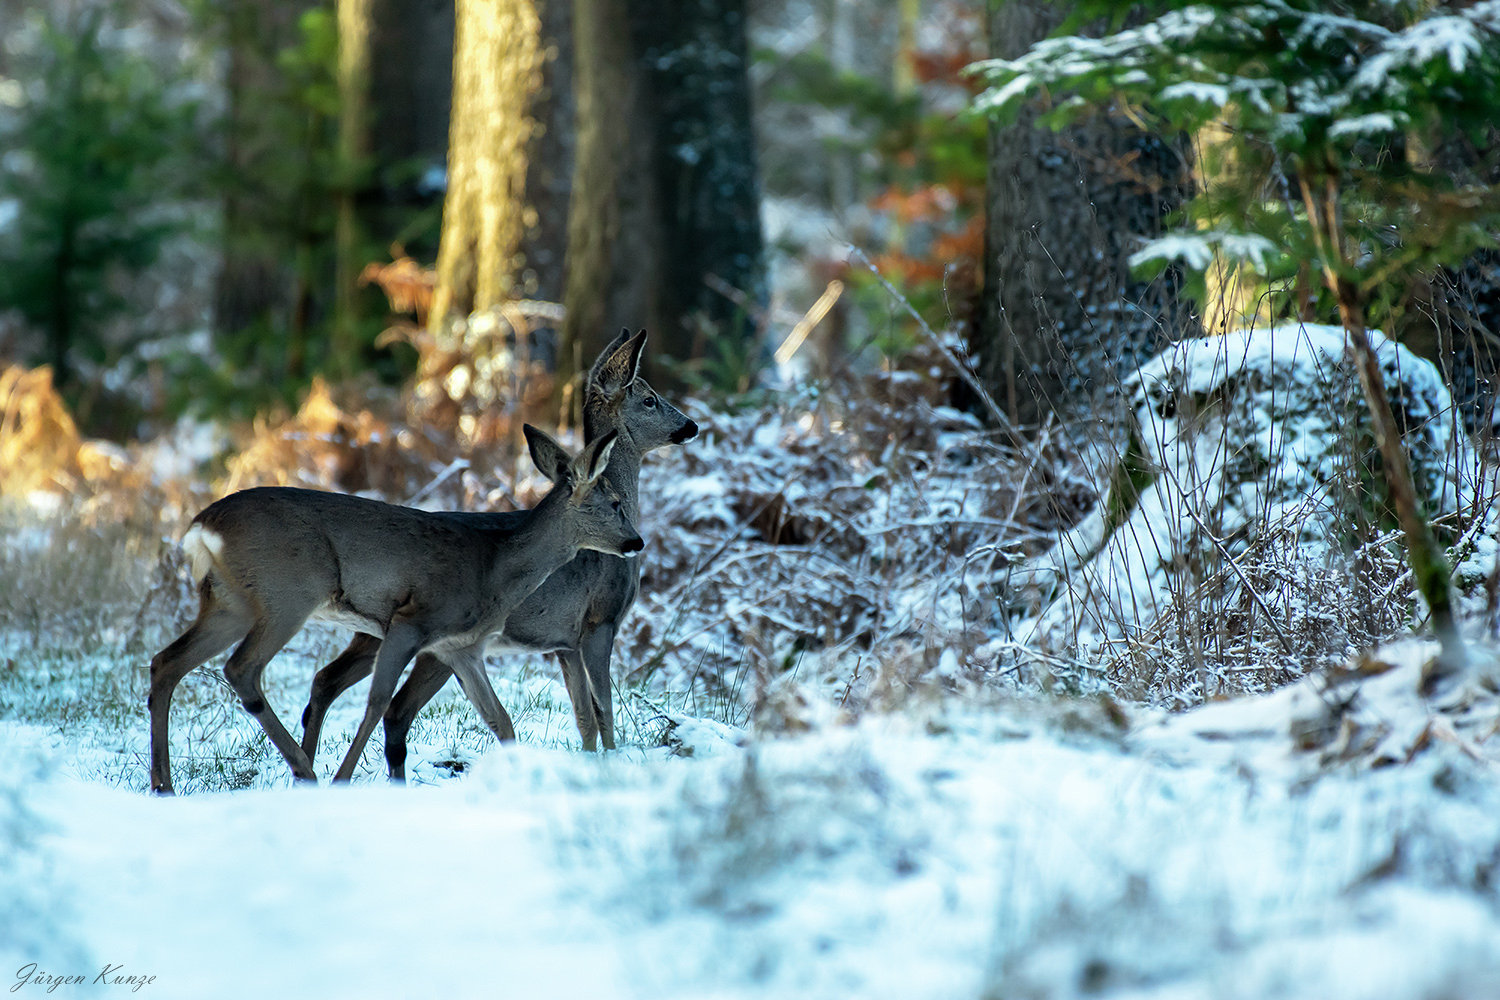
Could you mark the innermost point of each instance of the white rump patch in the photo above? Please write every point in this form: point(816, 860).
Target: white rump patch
point(203, 547)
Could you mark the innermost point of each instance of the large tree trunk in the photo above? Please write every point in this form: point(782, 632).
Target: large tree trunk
point(411, 80)
point(549, 159)
point(354, 23)
point(696, 58)
point(495, 70)
point(614, 255)
point(1065, 210)
point(665, 190)
point(257, 286)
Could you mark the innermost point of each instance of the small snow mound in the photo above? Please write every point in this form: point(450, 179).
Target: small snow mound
point(690, 737)
point(1370, 713)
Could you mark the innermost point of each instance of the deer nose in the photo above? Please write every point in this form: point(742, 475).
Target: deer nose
point(632, 545)
point(686, 432)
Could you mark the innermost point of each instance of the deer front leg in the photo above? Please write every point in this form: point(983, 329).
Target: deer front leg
point(468, 665)
point(402, 640)
point(596, 649)
point(577, 682)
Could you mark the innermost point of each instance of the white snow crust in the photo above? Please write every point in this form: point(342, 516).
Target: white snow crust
point(1011, 851)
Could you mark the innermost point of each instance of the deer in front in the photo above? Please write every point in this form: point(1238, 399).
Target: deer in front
point(577, 612)
point(269, 559)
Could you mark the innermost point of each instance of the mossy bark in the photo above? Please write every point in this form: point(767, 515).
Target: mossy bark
point(496, 67)
point(354, 90)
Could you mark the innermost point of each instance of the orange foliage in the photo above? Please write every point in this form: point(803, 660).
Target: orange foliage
point(957, 242)
point(40, 447)
point(407, 285)
point(328, 447)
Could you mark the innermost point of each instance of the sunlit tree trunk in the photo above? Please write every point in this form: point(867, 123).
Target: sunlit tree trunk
point(354, 89)
point(495, 70)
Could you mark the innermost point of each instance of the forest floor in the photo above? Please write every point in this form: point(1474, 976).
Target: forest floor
point(838, 775)
point(1002, 847)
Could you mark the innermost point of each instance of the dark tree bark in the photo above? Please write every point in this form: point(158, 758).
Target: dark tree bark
point(1065, 210)
point(549, 160)
point(614, 243)
point(696, 59)
point(411, 80)
point(665, 189)
point(255, 282)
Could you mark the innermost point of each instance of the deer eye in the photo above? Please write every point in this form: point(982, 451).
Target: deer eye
point(650, 400)
point(616, 505)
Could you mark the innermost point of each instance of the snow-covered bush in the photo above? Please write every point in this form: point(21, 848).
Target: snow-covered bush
point(1243, 532)
point(838, 542)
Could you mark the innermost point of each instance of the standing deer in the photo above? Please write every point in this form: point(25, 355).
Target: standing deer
point(268, 559)
point(578, 610)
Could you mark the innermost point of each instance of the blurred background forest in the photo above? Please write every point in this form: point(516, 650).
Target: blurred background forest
point(205, 207)
point(355, 245)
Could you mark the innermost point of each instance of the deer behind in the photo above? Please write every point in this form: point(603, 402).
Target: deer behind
point(272, 558)
point(577, 612)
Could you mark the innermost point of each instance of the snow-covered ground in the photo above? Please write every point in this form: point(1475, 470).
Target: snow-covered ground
point(1025, 848)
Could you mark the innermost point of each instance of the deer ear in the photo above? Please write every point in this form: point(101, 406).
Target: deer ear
point(620, 363)
point(549, 457)
point(591, 463)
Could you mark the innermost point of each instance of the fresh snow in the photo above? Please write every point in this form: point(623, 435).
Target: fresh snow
point(1026, 849)
point(1243, 436)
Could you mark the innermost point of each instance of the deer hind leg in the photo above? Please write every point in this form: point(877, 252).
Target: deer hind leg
point(577, 682)
point(596, 649)
point(468, 665)
point(427, 678)
point(215, 630)
point(347, 669)
point(244, 669)
point(402, 640)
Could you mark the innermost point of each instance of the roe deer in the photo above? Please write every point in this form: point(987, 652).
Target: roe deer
point(578, 610)
point(269, 559)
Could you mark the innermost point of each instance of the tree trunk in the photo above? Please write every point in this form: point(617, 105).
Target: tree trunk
point(354, 24)
point(614, 246)
point(495, 70)
point(549, 160)
point(253, 289)
point(1065, 211)
point(696, 58)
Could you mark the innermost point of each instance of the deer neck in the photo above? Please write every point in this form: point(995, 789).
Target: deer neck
point(624, 474)
point(537, 548)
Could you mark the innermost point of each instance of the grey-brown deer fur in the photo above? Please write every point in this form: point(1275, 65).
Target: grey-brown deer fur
point(577, 612)
point(272, 558)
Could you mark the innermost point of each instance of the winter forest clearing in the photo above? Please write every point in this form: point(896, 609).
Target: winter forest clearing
point(1007, 493)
